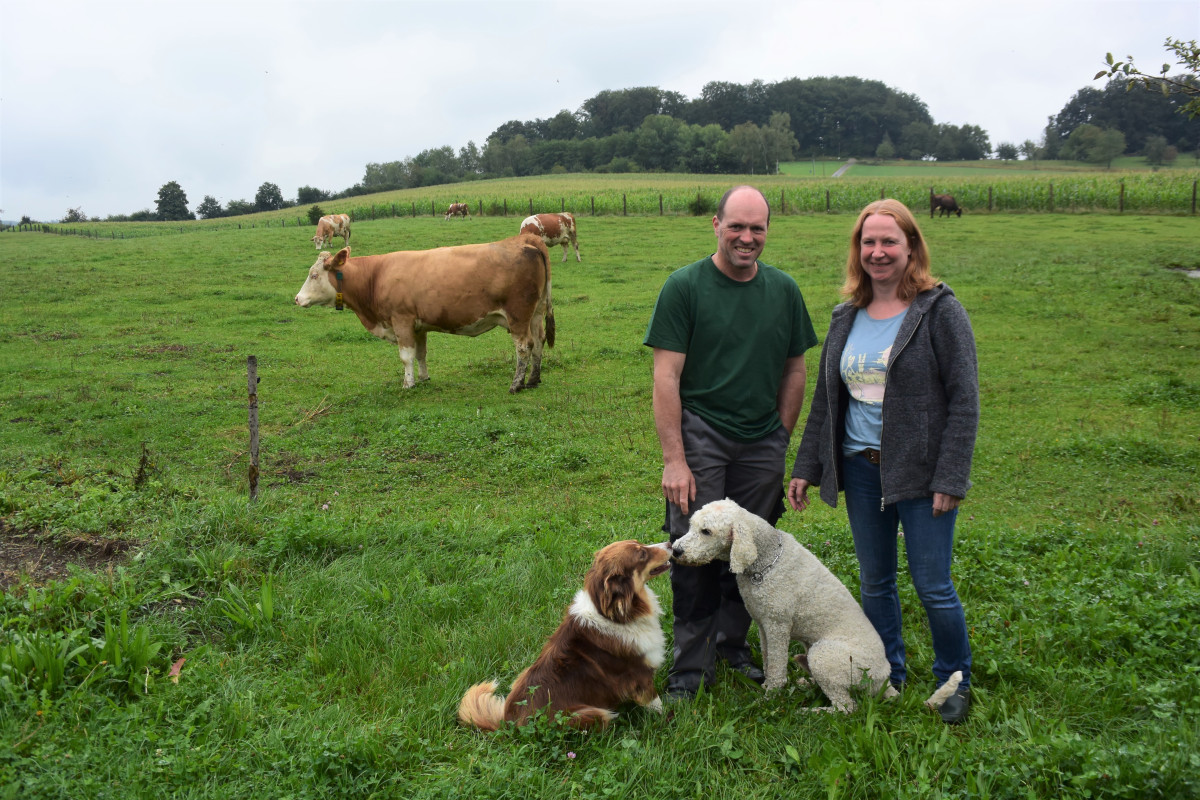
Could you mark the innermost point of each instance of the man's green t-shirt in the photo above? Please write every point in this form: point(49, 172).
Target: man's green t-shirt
point(736, 337)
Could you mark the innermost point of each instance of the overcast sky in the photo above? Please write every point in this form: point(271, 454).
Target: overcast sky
point(102, 102)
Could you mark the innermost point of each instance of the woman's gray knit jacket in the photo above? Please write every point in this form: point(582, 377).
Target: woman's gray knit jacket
point(930, 404)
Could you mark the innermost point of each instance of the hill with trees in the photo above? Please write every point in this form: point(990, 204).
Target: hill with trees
point(751, 128)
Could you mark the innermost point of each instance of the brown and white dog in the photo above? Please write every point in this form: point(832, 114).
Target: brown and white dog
point(604, 653)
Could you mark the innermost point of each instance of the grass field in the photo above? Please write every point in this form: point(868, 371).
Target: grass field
point(406, 544)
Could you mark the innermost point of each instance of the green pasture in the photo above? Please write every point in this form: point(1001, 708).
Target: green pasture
point(406, 544)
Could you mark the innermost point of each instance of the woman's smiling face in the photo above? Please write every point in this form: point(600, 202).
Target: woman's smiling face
point(883, 250)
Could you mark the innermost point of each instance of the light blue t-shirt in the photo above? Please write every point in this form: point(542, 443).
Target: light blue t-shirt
point(864, 371)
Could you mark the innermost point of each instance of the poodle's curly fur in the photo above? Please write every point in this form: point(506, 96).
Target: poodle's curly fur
point(792, 595)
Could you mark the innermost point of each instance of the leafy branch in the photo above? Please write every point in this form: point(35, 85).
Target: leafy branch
point(1188, 54)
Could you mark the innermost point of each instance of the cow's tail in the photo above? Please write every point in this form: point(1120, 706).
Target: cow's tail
point(549, 300)
point(481, 707)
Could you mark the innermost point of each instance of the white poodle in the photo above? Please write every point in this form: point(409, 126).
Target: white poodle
point(792, 595)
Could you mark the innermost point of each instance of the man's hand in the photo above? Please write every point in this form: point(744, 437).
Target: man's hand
point(679, 485)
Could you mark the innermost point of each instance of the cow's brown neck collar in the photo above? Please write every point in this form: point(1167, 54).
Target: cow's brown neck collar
point(337, 302)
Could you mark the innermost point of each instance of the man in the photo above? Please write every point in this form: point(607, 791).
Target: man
point(729, 335)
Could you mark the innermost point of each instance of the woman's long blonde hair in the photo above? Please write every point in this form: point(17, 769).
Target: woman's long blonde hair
point(916, 279)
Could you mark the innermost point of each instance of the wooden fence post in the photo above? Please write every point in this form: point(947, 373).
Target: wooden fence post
point(252, 382)
point(989, 199)
point(531, 206)
point(1121, 199)
point(594, 204)
point(624, 205)
point(826, 201)
point(562, 202)
point(1052, 197)
point(660, 205)
point(506, 206)
point(1194, 197)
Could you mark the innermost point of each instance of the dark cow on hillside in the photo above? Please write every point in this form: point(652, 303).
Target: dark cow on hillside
point(465, 290)
point(945, 204)
point(458, 210)
point(554, 229)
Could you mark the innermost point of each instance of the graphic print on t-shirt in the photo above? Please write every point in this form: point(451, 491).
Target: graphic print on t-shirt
point(864, 373)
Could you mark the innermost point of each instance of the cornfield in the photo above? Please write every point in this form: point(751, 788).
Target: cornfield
point(680, 195)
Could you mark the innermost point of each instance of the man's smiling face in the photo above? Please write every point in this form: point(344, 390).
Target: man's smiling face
point(741, 234)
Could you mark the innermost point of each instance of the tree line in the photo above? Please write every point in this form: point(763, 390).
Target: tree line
point(745, 128)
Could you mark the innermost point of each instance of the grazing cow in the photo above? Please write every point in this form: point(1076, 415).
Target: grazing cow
point(331, 226)
point(466, 290)
point(458, 210)
point(943, 203)
point(554, 229)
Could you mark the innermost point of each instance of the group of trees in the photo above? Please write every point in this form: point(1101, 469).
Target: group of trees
point(750, 128)
point(1124, 120)
point(729, 128)
point(172, 205)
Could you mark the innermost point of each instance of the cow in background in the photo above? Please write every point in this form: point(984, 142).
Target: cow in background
point(554, 229)
point(458, 210)
point(465, 290)
point(330, 226)
point(944, 203)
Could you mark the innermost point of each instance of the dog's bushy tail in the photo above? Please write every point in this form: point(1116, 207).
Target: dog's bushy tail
point(944, 691)
point(481, 707)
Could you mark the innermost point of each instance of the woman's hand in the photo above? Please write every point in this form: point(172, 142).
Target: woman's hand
point(797, 494)
point(944, 502)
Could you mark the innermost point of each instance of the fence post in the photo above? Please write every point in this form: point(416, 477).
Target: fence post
point(1193, 197)
point(1193, 203)
point(432, 209)
point(989, 199)
point(252, 381)
point(782, 202)
point(531, 206)
point(826, 201)
point(660, 205)
point(1052, 197)
point(506, 206)
point(624, 205)
point(1121, 200)
point(562, 202)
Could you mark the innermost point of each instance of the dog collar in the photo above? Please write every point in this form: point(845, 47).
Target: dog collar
point(757, 575)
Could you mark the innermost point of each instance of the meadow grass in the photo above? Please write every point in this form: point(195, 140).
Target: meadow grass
point(406, 544)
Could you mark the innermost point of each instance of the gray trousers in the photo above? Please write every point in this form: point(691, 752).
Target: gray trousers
point(710, 618)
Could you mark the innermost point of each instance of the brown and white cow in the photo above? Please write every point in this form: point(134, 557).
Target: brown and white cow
point(466, 290)
point(944, 203)
point(330, 226)
point(554, 229)
point(458, 210)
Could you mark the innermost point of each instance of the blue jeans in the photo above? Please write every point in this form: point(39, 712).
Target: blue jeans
point(928, 541)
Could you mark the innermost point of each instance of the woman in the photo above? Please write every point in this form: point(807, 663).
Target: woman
point(893, 424)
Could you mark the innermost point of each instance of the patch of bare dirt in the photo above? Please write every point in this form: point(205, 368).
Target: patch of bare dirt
point(41, 560)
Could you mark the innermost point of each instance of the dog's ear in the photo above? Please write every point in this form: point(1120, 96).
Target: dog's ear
point(743, 552)
point(615, 599)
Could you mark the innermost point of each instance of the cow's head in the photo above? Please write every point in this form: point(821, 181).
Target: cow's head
point(320, 288)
